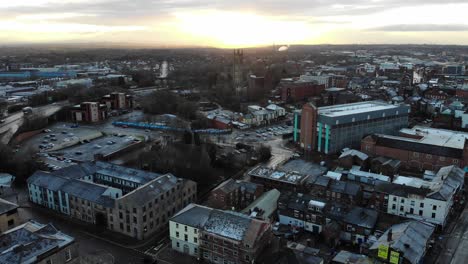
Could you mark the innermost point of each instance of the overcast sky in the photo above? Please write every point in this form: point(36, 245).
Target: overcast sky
point(233, 23)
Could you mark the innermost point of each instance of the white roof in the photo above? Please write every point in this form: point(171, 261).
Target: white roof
point(333, 175)
point(433, 136)
point(355, 108)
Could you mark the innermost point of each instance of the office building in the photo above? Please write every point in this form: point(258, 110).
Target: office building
point(89, 112)
point(330, 129)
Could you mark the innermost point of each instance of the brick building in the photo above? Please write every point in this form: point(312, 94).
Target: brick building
point(420, 148)
point(332, 128)
point(124, 200)
point(218, 236)
point(118, 101)
point(235, 195)
point(277, 179)
point(89, 112)
point(297, 91)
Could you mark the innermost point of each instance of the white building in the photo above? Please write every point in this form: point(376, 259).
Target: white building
point(428, 201)
point(277, 110)
point(321, 79)
point(184, 229)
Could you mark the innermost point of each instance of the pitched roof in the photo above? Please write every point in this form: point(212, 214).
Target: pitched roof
point(26, 242)
point(193, 215)
point(6, 206)
point(409, 238)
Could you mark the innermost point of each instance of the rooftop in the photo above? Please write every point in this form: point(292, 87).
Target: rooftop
point(193, 215)
point(288, 177)
point(6, 206)
point(25, 243)
point(432, 136)
point(409, 238)
point(354, 108)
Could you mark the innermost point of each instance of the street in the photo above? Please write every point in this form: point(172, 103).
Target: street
point(456, 243)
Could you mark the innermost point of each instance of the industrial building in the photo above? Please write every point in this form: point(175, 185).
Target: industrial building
point(330, 129)
point(124, 200)
point(420, 148)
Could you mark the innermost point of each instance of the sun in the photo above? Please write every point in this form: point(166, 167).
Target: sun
point(235, 29)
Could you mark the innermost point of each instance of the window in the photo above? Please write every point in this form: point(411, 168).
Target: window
point(421, 205)
point(433, 215)
point(178, 245)
point(134, 210)
point(11, 223)
point(68, 255)
point(177, 234)
point(434, 207)
point(176, 225)
point(455, 161)
point(420, 212)
point(195, 240)
point(415, 154)
point(394, 199)
point(195, 231)
point(411, 211)
point(402, 200)
point(195, 250)
point(402, 208)
point(186, 229)
point(186, 237)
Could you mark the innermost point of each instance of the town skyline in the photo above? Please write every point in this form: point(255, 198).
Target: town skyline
point(223, 24)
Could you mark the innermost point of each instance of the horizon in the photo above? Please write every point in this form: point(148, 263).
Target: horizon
point(222, 24)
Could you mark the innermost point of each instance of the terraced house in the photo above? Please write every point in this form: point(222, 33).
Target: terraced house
point(128, 201)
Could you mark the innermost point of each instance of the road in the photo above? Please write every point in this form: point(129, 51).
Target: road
point(460, 237)
point(455, 244)
point(16, 120)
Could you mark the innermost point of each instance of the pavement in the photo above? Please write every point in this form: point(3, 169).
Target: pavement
point(455, 243)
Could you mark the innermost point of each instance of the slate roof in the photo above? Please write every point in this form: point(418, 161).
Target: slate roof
point(193, 215)
point(6, 206)
point(151, 190)
point(348, 188)
point(362, 217)
point(228, 224)
point(410, 238)
point(26, 242)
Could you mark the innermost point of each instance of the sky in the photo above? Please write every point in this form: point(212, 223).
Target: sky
point(234, 23)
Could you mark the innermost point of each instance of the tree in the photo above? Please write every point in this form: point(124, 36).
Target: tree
point(264, 153)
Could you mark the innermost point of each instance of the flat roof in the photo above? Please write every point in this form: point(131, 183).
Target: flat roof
point(355, 108)
point(267, 173)
point(434, 136)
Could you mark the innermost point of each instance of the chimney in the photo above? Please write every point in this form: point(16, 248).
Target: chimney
point(389, 235)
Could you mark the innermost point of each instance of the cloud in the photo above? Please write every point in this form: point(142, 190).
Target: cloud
point(421, 27)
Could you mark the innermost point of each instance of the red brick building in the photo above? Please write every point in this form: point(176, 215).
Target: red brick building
point(309, 119)
point(118, 101)
point(235, 194)
point(232, 238)
point(89, 112)
point(420, 148)
point(296, 91)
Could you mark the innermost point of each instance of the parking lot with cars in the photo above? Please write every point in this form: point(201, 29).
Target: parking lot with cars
point(106, 145)
point(261, 134)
